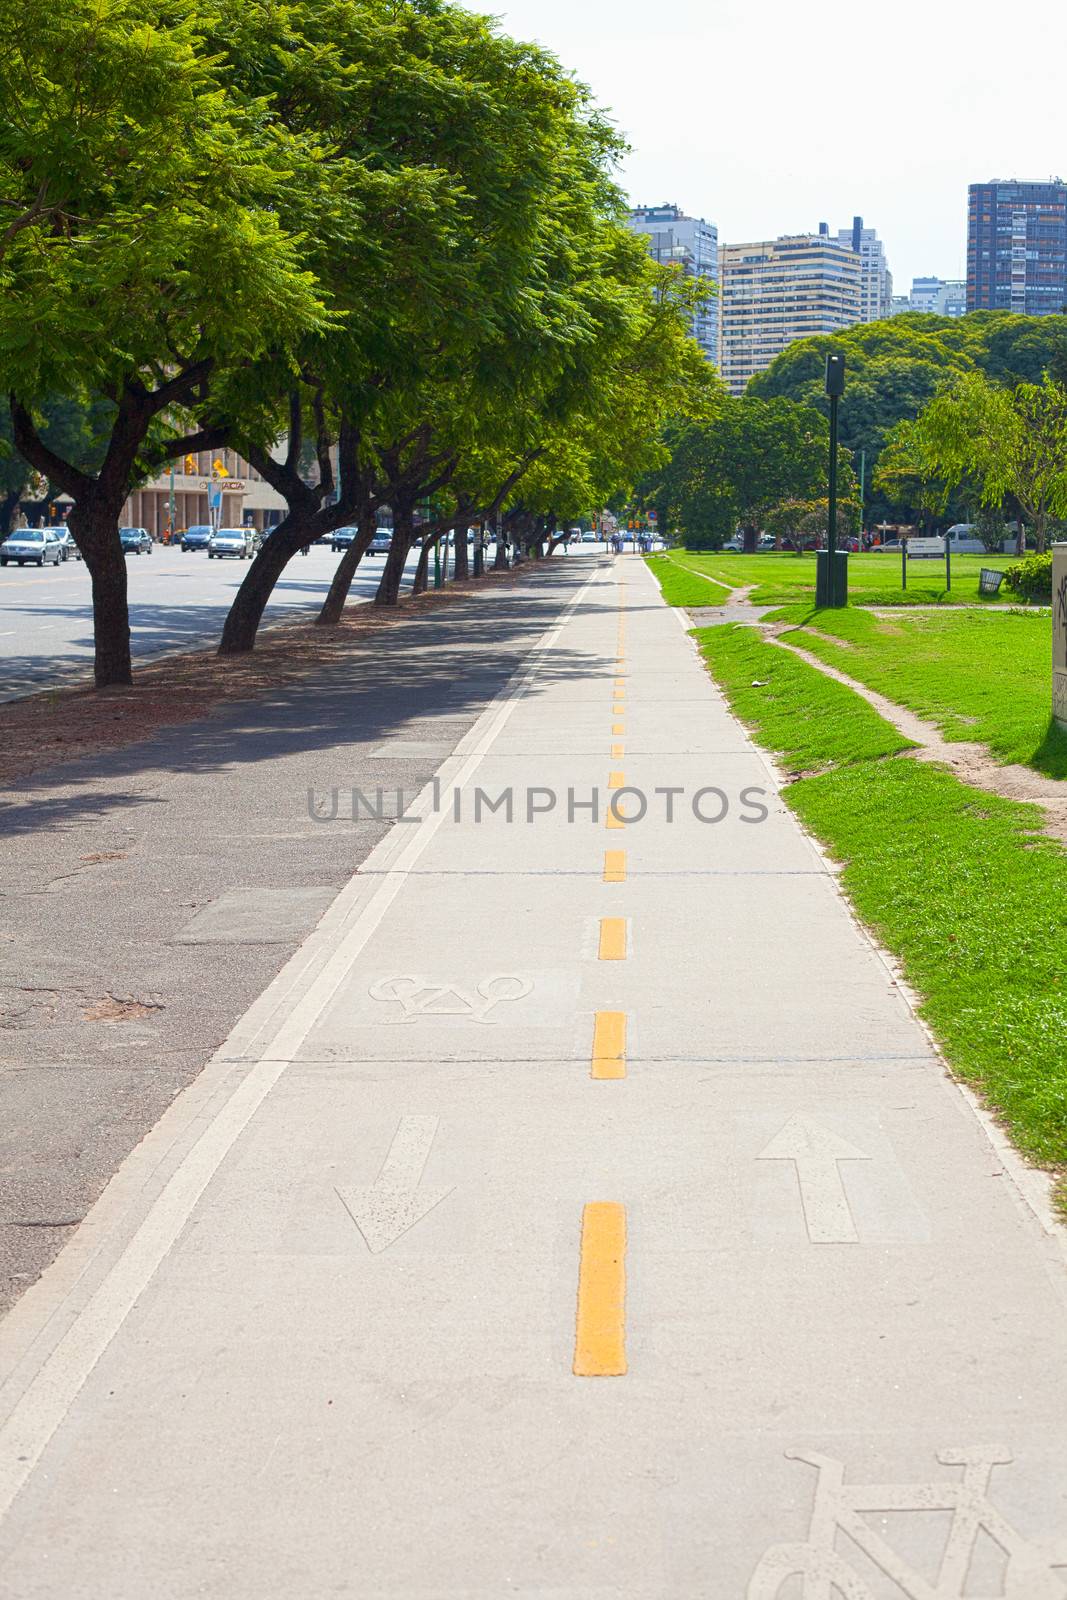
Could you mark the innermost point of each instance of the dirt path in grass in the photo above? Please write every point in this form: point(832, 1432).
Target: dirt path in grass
point(972, 763)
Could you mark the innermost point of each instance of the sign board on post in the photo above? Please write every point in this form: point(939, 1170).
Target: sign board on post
point(1059, 633)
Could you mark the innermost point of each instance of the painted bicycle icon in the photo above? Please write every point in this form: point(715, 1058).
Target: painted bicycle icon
point(1028, 1570)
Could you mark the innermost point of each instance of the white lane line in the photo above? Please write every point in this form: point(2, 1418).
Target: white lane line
point(46, 1399)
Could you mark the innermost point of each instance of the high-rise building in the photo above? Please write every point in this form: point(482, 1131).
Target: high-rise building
point(1017, 247)
point(779, 290)
point(946, 297)
point(876, 283)
point(691, 244)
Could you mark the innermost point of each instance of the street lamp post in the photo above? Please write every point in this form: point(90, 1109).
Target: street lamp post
point(831, 565)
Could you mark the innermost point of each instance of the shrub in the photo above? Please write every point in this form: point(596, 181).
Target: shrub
point(1031, 579)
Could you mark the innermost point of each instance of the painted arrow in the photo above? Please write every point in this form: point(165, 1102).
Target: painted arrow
point(816, 1152)
point(394, 1203)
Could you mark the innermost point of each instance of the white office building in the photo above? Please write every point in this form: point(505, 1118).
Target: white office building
point(876, 283)
point(691, 244)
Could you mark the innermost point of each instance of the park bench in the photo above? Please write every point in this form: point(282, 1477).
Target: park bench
point(989, 580)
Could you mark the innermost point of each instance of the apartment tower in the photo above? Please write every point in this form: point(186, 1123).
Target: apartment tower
point(779, 290)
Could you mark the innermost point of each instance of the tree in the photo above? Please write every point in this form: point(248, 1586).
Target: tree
point(1010, 443)
point(808, 520)
point(143, 251)
point(749, 457)
point(896, 366)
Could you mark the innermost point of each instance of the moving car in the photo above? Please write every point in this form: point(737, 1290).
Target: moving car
point(135, 540)
point(197, 537)
point(342, 538)
point(37, 546)
point(240, 543)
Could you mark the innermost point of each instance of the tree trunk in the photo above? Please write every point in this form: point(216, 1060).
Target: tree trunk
point(334, 603)
point(461, 568)
point(500, 559)
point(95, 527)
point(242, 624)
point(8, 506)
point(749, 538)
point(422, 568)
point(403, 538)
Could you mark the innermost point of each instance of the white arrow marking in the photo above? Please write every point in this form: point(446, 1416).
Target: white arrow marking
point(394, 1204)
point(816, 1152)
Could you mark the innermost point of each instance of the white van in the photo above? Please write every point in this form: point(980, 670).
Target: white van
point(962, 541)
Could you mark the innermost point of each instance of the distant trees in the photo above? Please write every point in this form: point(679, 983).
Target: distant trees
point(732, 467)
point(1007, 444)
point(895, 367)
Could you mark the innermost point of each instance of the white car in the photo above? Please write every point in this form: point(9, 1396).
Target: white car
point(237, 542)
point(38, 546)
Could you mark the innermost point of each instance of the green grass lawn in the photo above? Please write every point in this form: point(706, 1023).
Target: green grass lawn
point(874, 580)
point(952, 881)
point(683, 587)
point(985, 676)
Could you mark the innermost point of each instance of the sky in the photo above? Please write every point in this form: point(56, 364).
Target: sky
point(769, 118)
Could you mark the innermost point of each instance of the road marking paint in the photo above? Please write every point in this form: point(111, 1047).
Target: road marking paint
point(600, 1335)
point(614, 866)
point(618, 727)
point(609, 1045)
point(618, 751)
point(816, 1152)
point(612, 939)
point(395, 1202)
point(618, 709)
point(617, 780)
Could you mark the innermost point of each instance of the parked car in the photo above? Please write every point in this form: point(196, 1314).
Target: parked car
point(135, 541)
point(198, 537)
point(36, 546)
point(381, 543)
point(590, 538)
point(66, 543)
point(240, 543)
point(342, 538)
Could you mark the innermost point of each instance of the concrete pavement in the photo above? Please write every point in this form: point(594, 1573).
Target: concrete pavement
point(581, 1212)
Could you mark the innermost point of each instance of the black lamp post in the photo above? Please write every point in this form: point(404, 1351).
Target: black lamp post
point(831, 565)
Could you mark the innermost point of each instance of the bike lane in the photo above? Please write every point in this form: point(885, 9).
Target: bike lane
point(556, 1225)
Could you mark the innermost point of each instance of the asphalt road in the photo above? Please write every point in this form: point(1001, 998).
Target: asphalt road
point(176, 602)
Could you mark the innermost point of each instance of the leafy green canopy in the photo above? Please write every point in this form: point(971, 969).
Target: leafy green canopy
point(732, 468)
point(138, 202)
point(894, 367)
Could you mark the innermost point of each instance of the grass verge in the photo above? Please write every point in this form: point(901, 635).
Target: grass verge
point(685, 588)
point(982, 676)
point(873, 580)
point(952, 881)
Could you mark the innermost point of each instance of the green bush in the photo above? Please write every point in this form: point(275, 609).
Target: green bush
point(1031, 579)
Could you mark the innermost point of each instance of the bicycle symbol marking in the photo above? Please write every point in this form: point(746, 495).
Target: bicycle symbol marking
point(1029, 1569)
point(418, 997)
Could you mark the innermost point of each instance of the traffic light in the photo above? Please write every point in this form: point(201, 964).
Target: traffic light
point(190, 465)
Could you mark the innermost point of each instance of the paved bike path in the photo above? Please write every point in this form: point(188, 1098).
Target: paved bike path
point(578, 1200)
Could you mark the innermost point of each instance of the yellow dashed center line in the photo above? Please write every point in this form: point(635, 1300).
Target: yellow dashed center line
point(618, 727)
point(618, 751)
point(617, 780)
point(600, 1335)
point(618, 709)
point(614, 866)
point(612, 939)
point(609, 1045)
